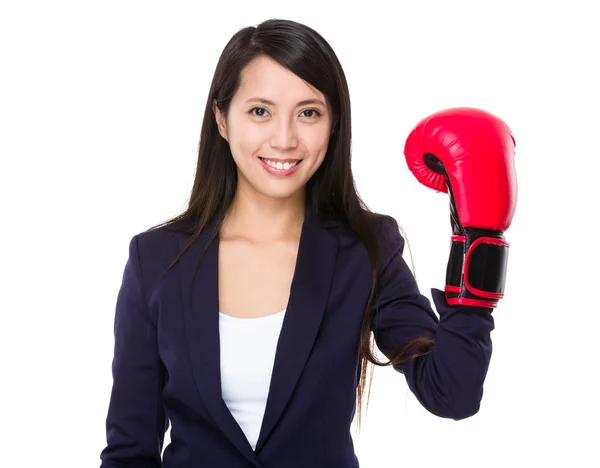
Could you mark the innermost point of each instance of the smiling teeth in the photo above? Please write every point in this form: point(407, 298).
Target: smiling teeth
point(279, 165)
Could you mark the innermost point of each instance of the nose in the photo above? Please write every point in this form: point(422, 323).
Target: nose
point(284, 135)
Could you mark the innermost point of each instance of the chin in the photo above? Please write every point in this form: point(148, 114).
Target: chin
point(282, 193)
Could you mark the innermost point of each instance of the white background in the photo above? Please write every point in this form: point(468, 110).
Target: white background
point(100, 113)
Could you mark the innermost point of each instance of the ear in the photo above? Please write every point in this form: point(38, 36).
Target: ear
point(221, 124)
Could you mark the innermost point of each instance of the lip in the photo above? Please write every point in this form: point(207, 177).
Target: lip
point(280, 172)
point(283, 160)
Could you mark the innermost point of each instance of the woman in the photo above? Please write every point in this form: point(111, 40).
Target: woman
point(246, 321)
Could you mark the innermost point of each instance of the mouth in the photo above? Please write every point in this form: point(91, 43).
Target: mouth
point(280, 167)
point(281, 164)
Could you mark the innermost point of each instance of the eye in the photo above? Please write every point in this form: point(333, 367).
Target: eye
point(315, 111)
point(260, 114)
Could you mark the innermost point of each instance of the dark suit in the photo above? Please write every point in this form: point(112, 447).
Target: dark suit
point(166, 357)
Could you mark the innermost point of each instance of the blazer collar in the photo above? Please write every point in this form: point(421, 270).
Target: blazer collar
point(308, 297)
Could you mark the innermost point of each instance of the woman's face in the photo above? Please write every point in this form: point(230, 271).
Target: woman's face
point(278, 129)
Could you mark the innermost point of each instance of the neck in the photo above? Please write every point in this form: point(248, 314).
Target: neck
point(263, 219)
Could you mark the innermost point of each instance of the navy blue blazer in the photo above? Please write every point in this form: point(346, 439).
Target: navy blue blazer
point(166, 364)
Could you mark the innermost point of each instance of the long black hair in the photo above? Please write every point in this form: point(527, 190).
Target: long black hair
point(331, 191)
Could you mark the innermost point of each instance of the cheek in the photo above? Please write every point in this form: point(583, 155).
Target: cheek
point(317, 145)
point(244, 141)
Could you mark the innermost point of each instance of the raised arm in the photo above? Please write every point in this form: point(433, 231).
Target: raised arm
point(448, 381)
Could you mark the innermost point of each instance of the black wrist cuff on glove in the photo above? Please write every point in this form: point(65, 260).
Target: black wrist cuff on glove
point(477, 268)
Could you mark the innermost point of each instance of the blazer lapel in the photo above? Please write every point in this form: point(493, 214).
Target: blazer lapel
point(308, 297)
point(200, 297)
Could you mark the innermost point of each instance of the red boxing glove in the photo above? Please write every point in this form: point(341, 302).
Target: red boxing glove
point(469, 154)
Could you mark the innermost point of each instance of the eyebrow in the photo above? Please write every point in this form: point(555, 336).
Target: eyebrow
point(271, 103)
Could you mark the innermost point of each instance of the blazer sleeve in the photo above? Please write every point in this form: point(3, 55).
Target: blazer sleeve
point(448, 382)
point(136, 422)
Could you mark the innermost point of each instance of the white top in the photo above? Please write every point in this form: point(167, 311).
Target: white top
point(247, 356)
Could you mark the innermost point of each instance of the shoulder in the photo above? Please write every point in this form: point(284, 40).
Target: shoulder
point(156, 248)
point(390, 241)
point(381, 232)
point(387, 231)
point(383, 226)
point(162, 237)
point(158, 239)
